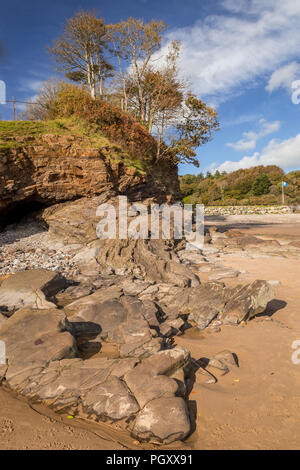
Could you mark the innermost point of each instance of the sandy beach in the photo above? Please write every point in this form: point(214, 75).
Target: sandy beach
point(255, 406)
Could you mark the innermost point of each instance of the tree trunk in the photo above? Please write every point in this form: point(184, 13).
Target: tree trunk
point(125, 96)
point(101, 87)
point(141, 103)
point(158, 146)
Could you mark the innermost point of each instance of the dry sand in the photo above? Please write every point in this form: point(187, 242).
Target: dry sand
point(255, 406)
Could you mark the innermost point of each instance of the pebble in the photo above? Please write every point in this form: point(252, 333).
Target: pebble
point(274, 283)
point(26, 246)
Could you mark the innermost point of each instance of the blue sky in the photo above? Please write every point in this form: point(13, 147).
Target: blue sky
point(242, 56)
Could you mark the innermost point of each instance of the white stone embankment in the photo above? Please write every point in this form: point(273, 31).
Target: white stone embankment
point(245, 210)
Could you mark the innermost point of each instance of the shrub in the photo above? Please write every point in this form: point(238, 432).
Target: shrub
point(68, 100)
point(261, 185)
point(237, 187)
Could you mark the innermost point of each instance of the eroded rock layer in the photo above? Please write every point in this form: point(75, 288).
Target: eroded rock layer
point(55, 168)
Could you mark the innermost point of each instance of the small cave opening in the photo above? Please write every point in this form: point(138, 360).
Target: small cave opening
point(23, 213)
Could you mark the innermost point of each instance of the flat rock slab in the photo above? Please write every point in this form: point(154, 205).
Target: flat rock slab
point(122, 319)
point(30, 289)
point(274, 283)
point(219, 274)
point(162, 363)
point(37, 336)
point(111, 400)
point(146, 387)
point(163, 420)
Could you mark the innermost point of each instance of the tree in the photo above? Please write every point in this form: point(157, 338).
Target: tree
point(80, 50)
point(195, 128)
point(50, 100)
point(261, 185)
point(152, 92)
point(164, 91)
point(44, 102)
point(200, 177)
point(162, 95)
point(103, 71)
point(135, 42)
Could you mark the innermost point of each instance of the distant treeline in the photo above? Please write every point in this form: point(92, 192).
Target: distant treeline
point(257, 185)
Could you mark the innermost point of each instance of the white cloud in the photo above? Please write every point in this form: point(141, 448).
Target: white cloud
point(284, 77)
point(248, 143)
point(235, 6)
point(228, 51)
point(242, 119)
point(250, 138)
point(29, 85)
point(285, 153)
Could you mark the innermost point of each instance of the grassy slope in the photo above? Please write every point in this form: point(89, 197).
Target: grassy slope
point(14, 134)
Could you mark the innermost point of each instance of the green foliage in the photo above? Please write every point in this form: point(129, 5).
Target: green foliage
point(196, 129)
point(70, 101)
point(257, 185)
point(261, 185)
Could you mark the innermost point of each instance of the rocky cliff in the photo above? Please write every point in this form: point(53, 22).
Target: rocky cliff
point(51, 168)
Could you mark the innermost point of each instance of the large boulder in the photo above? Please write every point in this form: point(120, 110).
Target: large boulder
point(163, 420)
point(247, 301)
point(151, 260)
point(146, 387)
point(30, 289)
point(151, 379)
point(203, 315)
point(213, 300)
point(201, 304)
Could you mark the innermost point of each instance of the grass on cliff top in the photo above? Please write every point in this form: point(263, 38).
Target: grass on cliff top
point(12, 131)
point(15, 134)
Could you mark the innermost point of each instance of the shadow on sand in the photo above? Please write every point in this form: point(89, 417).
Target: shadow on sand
point(274, 306)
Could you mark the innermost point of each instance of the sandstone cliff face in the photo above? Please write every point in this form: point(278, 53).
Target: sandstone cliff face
point(58, 168)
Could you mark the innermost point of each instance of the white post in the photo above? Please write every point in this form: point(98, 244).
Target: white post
point(282, 193)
